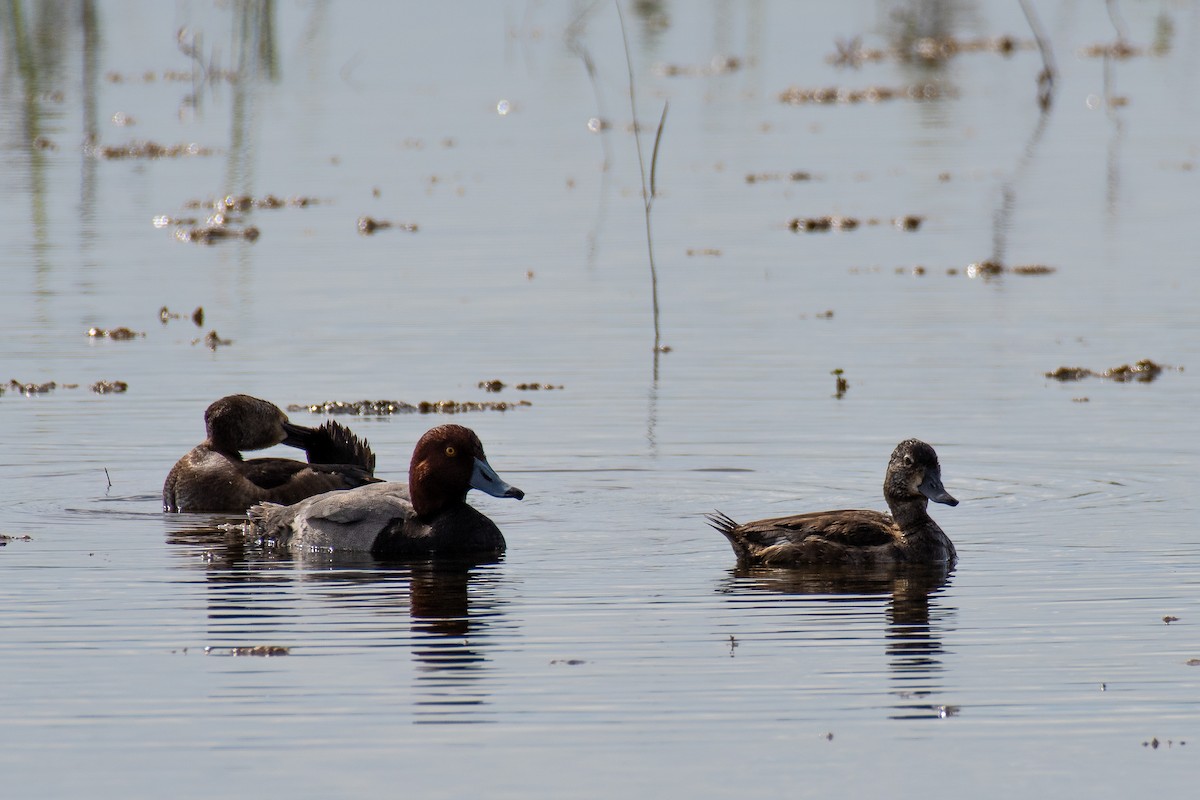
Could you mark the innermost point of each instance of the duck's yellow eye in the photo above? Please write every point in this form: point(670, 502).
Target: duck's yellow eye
point(450, 451)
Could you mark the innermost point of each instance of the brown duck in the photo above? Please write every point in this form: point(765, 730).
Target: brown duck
point(853, 537)
point(214, 477)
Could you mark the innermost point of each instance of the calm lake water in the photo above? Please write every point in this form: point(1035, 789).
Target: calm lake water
point(615, 648)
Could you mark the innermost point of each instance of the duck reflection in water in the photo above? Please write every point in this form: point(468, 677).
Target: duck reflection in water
point(260, 596)
point(915, 618)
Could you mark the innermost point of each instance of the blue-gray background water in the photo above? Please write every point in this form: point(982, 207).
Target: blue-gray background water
point(615, 648)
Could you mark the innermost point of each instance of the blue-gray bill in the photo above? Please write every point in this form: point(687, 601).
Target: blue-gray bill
point(932, 488)
point(485, 479)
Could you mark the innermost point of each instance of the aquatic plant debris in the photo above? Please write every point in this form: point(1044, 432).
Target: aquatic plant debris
point(262, 650)
point(908, 222)
point(212, 340)
point(148, 150)
point(1119, 49)
point(30, 389)
point(840, 385)
point(117, 334)
point(1143, 371)
point(719, 65)
point(497, 385)
point(170, 76)
point(835, 95)
point(383, 408)
point(245, 202)
point(763, 177)
point(165, 315)
point(1154, 743)
point(990, 268)
point(369, 225)
point(216, 231)
point(225, 221)
point(930, 49)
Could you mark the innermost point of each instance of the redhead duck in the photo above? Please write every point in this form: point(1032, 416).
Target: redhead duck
point(214, 477)
point(909, 535)
point(428, 516)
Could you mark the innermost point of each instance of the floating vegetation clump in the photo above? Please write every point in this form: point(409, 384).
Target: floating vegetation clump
point(763, 177)
point(226, 222)
point(1143, 371)
point(165, 315)
point(720, 65)
point(840, 383)
point(497, 385)
point(30, 389)
point(245, 202)
point(365, 408)
point(929, 49)
point(369, 225)
point(1119, 49)
point(454, 407)
point(908, 222)
point(212, 340)
point(835, 95)
point(118, 334)
point(388, 407)
point(216, 232)
point(170, 76)
point(147, 149)
point(990, 269)
point(34, 389)
point(261, 650)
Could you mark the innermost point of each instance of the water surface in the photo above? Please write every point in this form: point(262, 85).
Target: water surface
point(615, 648)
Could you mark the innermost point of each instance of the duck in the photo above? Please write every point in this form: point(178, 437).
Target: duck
point(908, 535)
point(213, 476)
point(427, 517)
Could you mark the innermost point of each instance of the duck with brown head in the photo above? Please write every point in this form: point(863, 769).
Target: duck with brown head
point(853, 537)
point(427, 517)
point(214, 477)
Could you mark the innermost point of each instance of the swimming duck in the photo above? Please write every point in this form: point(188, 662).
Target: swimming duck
point(214, 477)
point(428, 516)
point(908, 535)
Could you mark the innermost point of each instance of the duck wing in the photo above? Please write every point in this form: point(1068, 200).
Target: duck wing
point(340, 520)
point(823, 536)
point(287, 481)
point(849, 527)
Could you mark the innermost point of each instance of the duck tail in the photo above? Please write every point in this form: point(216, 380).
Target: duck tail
point(263, 519)
point(334, 443)
point(728, 528)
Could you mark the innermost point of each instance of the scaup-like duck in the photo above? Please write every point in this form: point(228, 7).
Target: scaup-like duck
point(214, 477)
point(908, 535)
point(428, 516)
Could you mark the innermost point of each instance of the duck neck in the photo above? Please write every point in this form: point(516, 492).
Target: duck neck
point(911, 513)
point(430, 498)
point(232, 453)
